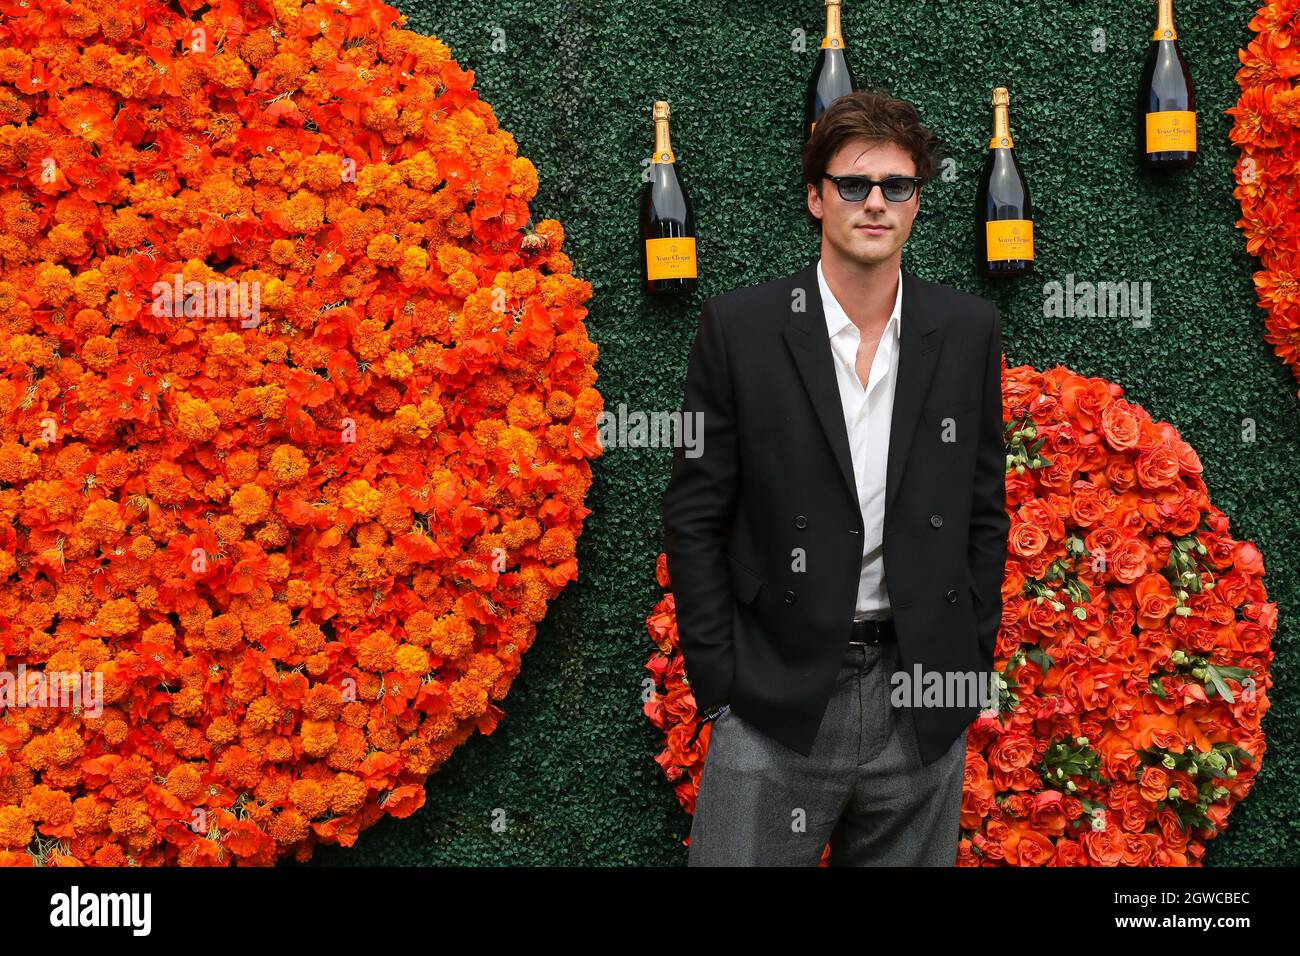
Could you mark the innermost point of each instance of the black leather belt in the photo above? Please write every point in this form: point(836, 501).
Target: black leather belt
point(872, 632)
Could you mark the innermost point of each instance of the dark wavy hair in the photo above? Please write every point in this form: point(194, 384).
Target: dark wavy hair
point(871, 115)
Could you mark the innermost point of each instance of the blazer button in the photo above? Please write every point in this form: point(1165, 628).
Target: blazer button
point(952, 597)
point(801, 522)
point(789, 597)
point(936, 520)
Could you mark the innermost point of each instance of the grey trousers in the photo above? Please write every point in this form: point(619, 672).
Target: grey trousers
point(863, 787)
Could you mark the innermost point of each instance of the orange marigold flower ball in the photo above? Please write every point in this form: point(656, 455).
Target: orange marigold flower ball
point(17, 463)
point(347, 792)
point(53, 283)
point(526, 411)
point(58, 748)
point(515, 441)
point(557, 545)
point(383, 249)
point(118, 617)
point(102, 521)
point(228, 528)
point(99, 352)
point(323, 702)
point(228, 346)
point(451, 637)
point(223, 632)
point(376, 652)
point(305, 211)
point(184, 782)
point(88, 323)
point(408, 421)
point(111, 469)
point(519, 532)
point(132, 775)
point(361, 498)
point(397, 365)
point(310, 797)
point(49, 806)
point(129, 817)
point(468, 698)
point(250, 503)
point(553, 230)
point(298, 592)
point(283, 251)
point(16, 828)
point(274, 534)
point(559, 404)
point(412, 661)
point(262, 714)
point(196, 420)
point(318, 737)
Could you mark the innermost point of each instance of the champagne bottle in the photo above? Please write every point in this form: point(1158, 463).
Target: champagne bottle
point(1004, 221)
point(832, 77)
point(1166, 101)
point(667, 219)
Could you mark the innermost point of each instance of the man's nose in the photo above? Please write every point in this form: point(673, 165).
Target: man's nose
point(875, 200)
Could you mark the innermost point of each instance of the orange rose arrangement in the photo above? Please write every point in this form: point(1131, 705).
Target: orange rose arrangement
point(1133, 653)
point(1264, 128)
point(297, 413)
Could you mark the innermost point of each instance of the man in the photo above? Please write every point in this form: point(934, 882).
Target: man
point(845, 524)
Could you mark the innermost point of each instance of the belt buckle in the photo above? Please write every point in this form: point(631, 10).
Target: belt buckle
point(870, 631)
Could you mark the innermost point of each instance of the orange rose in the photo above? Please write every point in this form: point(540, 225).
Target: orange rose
point(1155, 600)
point(1119, 426)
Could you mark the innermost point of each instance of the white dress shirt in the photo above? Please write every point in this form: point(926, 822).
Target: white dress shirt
point(867, 414)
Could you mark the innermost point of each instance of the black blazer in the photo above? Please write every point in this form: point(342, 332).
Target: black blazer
point(775, 475)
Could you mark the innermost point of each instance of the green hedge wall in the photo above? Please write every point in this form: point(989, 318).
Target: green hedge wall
point(571, 767)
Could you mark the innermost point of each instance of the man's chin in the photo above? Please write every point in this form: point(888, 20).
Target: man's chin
point(868, 252)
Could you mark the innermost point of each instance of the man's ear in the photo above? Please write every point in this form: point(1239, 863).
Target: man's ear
point(814, 189)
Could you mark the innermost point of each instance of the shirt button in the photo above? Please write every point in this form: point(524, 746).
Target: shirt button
point(801, 522)
point(952, 597)
point(936, 520)
point(789, 597)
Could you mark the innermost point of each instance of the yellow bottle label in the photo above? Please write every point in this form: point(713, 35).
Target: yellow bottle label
point(670, 258)
point(1010, 239)
point(1171, 130)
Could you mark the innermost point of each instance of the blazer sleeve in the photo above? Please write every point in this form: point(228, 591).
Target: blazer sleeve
point(990, 523)
point(698, 510)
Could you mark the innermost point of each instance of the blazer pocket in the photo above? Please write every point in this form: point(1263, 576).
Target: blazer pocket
point(745, 584)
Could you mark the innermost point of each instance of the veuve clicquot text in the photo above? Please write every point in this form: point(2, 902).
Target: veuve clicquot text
point(1166, 113)
point(667, 220)
point(1004, 220)
point(831, 78)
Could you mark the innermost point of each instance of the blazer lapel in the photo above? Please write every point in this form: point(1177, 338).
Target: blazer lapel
point(810, 346)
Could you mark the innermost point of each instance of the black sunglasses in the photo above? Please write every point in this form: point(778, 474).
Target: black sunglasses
point(858, 188)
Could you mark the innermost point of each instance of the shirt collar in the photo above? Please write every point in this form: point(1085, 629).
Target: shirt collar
point(837, 319)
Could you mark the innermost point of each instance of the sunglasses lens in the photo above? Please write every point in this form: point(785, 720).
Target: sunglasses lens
point(854, 190)
point(898, 190)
